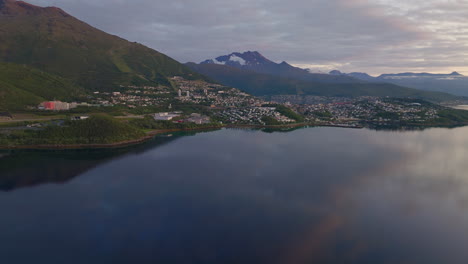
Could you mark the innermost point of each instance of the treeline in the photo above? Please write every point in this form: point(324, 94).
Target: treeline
point(451, 116)
point(149, 123)
point(98, 129)
point(287, 112)
point(270, 121)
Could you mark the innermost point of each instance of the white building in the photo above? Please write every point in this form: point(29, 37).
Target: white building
point(199, 119)
point(61, 105)
point(165, 116)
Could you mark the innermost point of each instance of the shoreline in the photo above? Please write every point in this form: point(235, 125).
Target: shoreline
point(149, 135)
point(152, 134)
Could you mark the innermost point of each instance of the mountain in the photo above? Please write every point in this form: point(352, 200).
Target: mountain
point(52, 41)
point(286, 77)
point(453, 83)
point(415, 75)
point(358, 75)
point(261, 84)
point(247, 59)
point(256, 62)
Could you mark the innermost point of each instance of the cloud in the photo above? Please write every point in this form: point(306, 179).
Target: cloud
point(369, 35)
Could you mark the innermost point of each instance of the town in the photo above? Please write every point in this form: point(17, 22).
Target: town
point(228, 105)
point(371, 109)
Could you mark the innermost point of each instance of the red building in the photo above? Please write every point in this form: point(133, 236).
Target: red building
point(49, 105)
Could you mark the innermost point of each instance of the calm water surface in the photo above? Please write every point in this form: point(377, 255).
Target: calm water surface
point(315, 195)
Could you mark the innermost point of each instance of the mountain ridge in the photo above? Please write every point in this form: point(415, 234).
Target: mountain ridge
point(454, 83)
point(51, 41)
point(420, 74)
point(13, 7)
point(254, 73)
point(255, 61)
point(403, 74)
point(261, 84)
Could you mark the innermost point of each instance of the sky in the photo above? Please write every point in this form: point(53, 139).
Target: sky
point(373, 36)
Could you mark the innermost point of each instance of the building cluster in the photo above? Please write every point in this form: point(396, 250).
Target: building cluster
point(307, 99)
point(251, 115)
point(198, 119)
point(134, 96)
point(194, 85)
point(178, 117)
point(132, 100)
point(368, 109)
point(214, 95)
point(148, 90)
point(236, 98)
point(231, 105)
point(59, 105)
point(165, 116)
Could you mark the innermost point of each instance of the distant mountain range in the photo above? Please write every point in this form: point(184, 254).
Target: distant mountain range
point(453, 83)
point(254, 61)
point(417, 75)
point(50, 41)
point(252, 72)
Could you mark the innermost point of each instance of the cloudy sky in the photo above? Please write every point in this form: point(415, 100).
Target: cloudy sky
point(375, 36)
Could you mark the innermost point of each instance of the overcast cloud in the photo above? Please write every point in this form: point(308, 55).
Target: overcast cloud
point(376, 36)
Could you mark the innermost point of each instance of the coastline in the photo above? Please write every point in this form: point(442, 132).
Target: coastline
point(151, 134)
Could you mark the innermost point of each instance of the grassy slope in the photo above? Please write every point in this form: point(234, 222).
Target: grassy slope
point(55, 42)
point(22, 86)
point(263, 84)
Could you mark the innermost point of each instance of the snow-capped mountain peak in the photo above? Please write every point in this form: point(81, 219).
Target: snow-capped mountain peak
point(227, 60)
point(239, 59)
point(215, 61)
point(235, 58)
point(253, 61)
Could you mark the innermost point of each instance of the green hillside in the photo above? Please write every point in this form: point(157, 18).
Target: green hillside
point(263, 84)
point(55, 42)
point(22, 86)
point(98, 129)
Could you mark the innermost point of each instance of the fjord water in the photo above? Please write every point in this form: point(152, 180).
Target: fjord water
point(313, 195)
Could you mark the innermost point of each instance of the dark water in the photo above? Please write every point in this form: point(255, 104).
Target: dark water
point(316, 195)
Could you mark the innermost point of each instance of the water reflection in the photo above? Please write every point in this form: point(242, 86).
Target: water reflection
point(317, 195)
point(26, 168)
